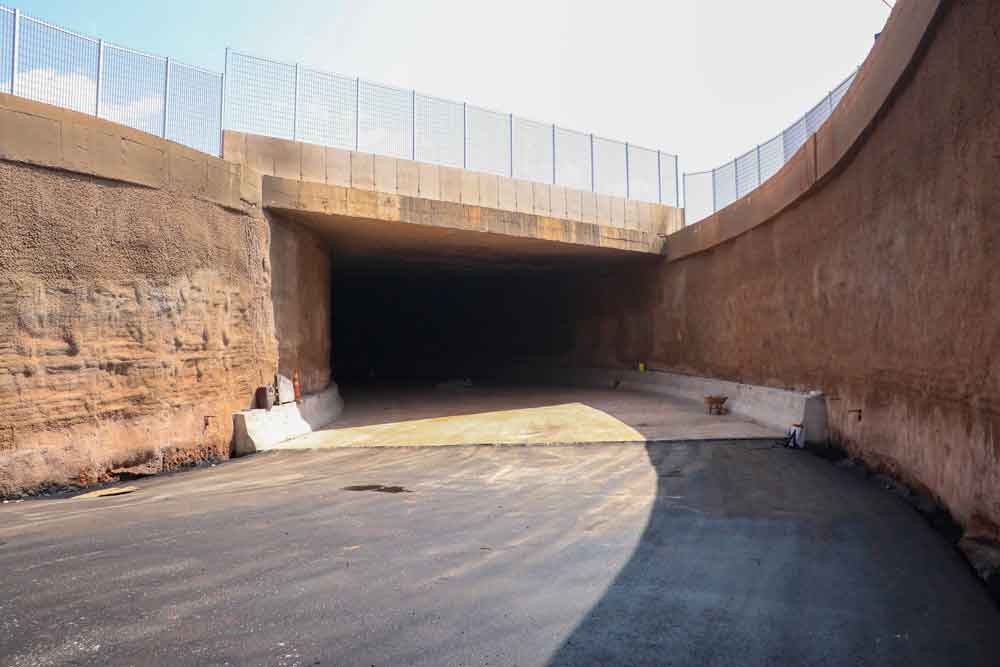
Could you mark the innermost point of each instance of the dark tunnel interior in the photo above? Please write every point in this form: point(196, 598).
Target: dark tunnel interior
point(427, 325)
point(432, 305)
point(418, 304)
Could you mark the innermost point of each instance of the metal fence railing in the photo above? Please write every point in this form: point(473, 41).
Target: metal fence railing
point(191, 106)
point(46, 63)
point(706, 192)
point(297, 103)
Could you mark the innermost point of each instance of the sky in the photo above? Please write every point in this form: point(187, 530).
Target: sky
point(705, 79)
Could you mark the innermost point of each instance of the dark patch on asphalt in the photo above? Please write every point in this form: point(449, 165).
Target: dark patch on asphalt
point(378, 488)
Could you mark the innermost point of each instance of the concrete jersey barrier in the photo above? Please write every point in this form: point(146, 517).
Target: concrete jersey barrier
point(776, 408)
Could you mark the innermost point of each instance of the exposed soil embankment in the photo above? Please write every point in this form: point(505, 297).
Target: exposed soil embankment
point(879, 286)
point(133, 322)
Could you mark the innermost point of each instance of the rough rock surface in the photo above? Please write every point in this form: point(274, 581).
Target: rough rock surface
point(133, 323)
point(878, 288)
point(301, 291)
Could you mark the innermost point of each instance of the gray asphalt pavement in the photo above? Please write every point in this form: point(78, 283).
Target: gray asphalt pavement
point(681, 554)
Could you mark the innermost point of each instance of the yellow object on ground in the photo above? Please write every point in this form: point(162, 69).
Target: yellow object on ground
point(103, 493)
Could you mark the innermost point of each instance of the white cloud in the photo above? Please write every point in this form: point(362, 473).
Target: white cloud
point(78, 91)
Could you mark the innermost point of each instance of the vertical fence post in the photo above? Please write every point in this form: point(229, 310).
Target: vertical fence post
point(685, 197)
point(714, 205)
point(684, 211)
point(465, 135)
point(15, 49)
point(295, 106)
point(760, 169)
point(222, 105)
point(98, 89)
point(593, 170)
point(736, 178)
point(677, 185)
point(659, 177)
point(510, 126)
point(357, 114)
point(736, 182)
point(166, 97)
point(413, 125)
point(628, 191)
point(553, 153)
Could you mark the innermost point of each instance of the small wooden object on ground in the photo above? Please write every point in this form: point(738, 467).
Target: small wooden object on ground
point(716, 404)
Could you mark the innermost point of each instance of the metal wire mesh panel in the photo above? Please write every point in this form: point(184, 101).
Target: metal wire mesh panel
point(439, 131)
point(668, 180)
point(385, 120)
point(260, 96)
point(794, 137)
point(194, 99)
point(643, 174)
point(610, 170)
point(56, 66)
point(327, 109)
point(487, 137)
point(724, 179)
point(740, 177)
point(572, 158)
point(747, 173)
point(839, 92)
point(6, 48)
point(698, 203)
point(533, 150)
point(772, 157)
point(133, 86)
point(817, 116)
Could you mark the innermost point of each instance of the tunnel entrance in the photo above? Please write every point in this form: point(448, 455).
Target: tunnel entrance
point(425, 305)
point(369, 303)
point(420, 327)
point(431, 324)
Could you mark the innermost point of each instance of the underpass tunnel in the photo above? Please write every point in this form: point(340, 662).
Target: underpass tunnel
point(407, 324)
point(420, 305)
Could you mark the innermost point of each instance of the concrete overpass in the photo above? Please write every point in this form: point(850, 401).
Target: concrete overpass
point(328, 187)
point(400, 248)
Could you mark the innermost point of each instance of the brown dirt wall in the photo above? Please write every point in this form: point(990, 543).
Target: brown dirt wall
point(133, 322)
point(301, 290)
point(881, 287)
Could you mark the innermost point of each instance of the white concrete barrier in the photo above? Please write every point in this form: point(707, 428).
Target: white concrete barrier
point(260, 430)
point(776, 408)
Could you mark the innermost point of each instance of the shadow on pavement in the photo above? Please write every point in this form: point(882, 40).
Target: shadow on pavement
point(753, 555)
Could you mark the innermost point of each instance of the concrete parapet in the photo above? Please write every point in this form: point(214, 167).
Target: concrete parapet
point(293, 197)
point(48, 136)
point(293, 161)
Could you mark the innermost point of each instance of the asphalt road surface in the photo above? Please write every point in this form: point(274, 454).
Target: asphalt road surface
point(682, 554)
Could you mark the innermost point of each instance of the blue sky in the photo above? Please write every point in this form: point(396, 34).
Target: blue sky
point(707, 79)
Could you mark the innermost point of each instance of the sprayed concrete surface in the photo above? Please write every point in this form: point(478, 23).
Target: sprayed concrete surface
point(865, 269)
point(687, 554)
point(135, 307)
point(457, 415)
